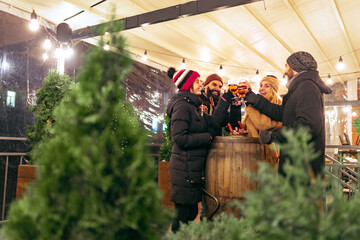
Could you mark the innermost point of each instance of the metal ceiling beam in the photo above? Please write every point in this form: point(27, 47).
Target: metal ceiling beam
point(162, 15)
point(206, 44)
point(297, 14)
point(344, 31)
point(179, 51)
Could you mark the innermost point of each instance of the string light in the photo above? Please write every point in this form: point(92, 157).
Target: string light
point(257, 76)
point(47, 44)
point(69, 52)
point(45, 56)
point(183, 65)
point(221, 71)
point(60, 52)
point(340, 65)
point(34, 23)
point(329, 80)
point(283, 81)
point(144, 57)
point(107, 46)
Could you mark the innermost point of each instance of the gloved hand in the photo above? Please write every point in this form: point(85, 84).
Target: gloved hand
point(251, 98)
point(228, 96)
point(265, 137)
point(212, 132)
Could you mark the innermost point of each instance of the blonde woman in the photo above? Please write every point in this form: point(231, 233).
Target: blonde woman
point(254, 121)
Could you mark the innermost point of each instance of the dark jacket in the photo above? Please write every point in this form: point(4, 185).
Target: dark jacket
point(190, 137)
point(232, 114)
point(302, 105)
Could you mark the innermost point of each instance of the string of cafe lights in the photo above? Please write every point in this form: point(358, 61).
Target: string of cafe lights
point(340, 66)
point(67, 52)
point(63, 50)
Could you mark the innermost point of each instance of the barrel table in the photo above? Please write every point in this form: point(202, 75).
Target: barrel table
point(229, 158)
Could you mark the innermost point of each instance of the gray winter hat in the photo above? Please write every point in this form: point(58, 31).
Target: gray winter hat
point(301, 61)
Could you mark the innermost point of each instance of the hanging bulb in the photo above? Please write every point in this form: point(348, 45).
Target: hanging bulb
point(183, 65)
point(284, 80)
point(47, 44)
point(257, 76)
point(45, 56)
point(107, 46)
point(341, 65)
point(221, 70)
point(34, 23)
point(144, 57)
point(329, 80)
point(69, 52)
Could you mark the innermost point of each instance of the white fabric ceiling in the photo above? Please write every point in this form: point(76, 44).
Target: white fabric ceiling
point(243, 39)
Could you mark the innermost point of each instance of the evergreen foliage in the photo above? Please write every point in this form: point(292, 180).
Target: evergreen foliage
point(166, 146)
point(55, 87)
point(97, 180)
point(356, 124)
point(297, 206)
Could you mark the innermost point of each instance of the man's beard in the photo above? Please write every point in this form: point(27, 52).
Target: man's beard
point(214, 97)
point(290, 74)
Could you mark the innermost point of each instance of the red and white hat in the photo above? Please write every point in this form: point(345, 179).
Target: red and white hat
point(184, 78)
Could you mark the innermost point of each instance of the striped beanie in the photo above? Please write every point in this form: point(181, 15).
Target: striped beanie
point(184, 78)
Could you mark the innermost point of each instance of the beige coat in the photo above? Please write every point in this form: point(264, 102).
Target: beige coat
point(254, 122)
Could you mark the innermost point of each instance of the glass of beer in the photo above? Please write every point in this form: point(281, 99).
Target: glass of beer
point(242, 89)
point(232, 86)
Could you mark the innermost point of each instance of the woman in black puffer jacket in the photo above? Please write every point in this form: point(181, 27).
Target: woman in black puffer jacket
point(191, 135)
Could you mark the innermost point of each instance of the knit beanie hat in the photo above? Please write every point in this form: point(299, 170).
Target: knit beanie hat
point(213, 77)
point(273, 81)
point(301, 61)
point(184, 78)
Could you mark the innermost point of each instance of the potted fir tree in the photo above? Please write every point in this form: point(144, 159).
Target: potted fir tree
point(164, 171)
point(54, 89)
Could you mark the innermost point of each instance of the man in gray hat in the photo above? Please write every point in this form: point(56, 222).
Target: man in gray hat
point(303, 105)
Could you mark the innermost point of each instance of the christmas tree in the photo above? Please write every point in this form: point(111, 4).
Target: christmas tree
point(297, 206)
point(55, 87)
point(166, 146)
point(97, 180)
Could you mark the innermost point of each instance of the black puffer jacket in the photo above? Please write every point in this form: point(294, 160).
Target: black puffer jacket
point(191, 140)
point(303, 105)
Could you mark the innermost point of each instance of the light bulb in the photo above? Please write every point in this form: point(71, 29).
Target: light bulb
point(144, 57)
point(341, 65)
point(257, 76)
point(183, 65)
point(45, 56)
point(47, 44)
point(34, 23)
point(69, 52)
point(329, 80)
point(221, 70)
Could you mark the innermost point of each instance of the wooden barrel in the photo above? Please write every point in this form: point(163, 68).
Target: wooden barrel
point(165, 184)
point(229, 159)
